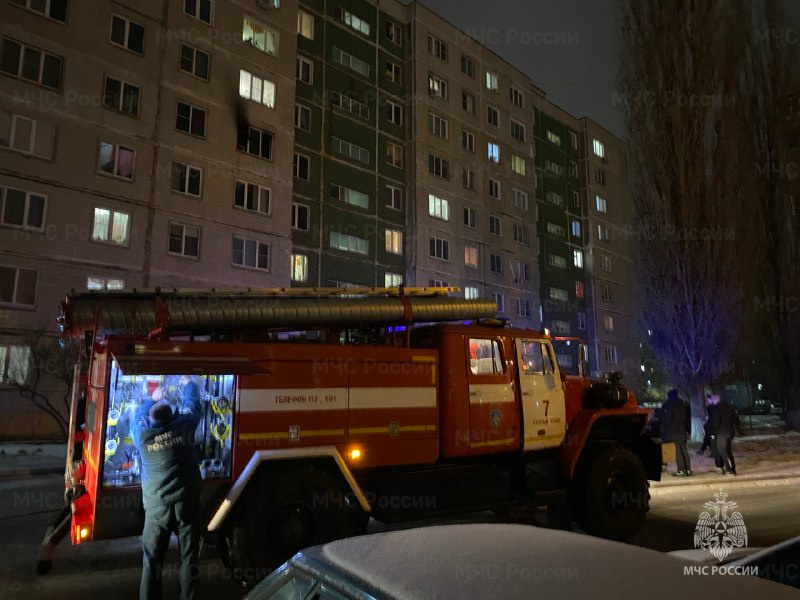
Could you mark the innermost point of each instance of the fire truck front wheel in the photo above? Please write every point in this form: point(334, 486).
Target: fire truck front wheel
point(610, 493)
point(299, 508)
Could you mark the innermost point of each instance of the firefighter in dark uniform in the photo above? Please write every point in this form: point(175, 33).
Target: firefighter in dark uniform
point(171, 485)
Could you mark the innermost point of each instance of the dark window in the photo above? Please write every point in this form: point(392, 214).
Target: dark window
point(190, 119)
point(254, 141)
point(127, 34)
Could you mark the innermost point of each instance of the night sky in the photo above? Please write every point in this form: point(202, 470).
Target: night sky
point(569, 48)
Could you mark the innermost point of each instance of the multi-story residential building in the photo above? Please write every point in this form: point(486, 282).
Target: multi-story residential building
point(143, 144)
point(214, 143)
point(351, 122)
point(561, 226)
point(472, 176)
point(613, 334)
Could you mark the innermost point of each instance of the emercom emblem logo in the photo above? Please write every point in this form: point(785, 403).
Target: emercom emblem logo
point(718, 531)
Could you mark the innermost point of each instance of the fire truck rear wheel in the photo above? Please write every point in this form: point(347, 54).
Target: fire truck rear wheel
point(610, 493)
point(300, 508)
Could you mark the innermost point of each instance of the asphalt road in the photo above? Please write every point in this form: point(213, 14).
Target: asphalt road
point(112, 569)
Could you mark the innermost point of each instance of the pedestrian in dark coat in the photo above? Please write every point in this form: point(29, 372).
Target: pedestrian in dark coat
point(171, 486)
point(726, 423)
point(675, 429)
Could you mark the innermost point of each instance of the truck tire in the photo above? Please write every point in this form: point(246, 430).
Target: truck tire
point(610, 493)
point(299, 508)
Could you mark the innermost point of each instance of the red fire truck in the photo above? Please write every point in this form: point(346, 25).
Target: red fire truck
point(325, 407)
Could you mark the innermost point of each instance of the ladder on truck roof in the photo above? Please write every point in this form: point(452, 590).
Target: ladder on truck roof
point(157, 312)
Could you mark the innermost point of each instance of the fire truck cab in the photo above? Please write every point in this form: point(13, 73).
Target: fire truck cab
point(400, 405)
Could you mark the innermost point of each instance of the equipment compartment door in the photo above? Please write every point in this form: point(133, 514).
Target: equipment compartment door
point(542, 395)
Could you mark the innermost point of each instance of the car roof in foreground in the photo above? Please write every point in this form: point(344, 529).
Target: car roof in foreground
point(462, 562)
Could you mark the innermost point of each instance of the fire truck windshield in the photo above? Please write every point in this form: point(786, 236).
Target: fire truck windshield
point(129, 392)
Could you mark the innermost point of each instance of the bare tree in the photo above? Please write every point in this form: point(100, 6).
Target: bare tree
point(681, 77)
point(775, 319)
point(31, 373)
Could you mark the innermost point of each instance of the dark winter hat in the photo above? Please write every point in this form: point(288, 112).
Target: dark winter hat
point(161, 413)
point(672, 394)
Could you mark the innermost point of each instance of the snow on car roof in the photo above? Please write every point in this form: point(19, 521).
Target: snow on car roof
point(460, 562)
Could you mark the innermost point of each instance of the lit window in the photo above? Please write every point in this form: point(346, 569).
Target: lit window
point(256, 89)
point(575, 227)
point(392, 279)
point(470, 292)
point(305, 24)
point(553, 138)
point(104, 283)
point(580, 290)
point(438, 207)
point(518, 165)
point(394, 241)
point(491, 81)
point(299, 267)
point(601, 204)
point(471, 256)
point(559, 294)
point(437, 86)
point(111, 226)
point(493, 152)
point(556, 229)
point(598, 148)
point(260, 36)
point(577, 258)
point(116, 160)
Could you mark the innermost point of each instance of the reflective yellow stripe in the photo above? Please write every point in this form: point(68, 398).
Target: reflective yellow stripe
point(91, 460)
point(502, 442)
point(284, 435)
point(387, 429)
point(430, 359)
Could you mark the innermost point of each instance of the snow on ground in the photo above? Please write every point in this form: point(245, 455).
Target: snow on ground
point(23, 456)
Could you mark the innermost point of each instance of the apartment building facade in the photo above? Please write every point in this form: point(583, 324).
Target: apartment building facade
point(472, 175)
point(351, 123)
point(612, 327)
point(276, 143)
point(143, 144)
point(561, 227)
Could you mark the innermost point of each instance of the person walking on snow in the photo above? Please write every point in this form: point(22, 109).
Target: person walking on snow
point(675, 430)
point(726, 423)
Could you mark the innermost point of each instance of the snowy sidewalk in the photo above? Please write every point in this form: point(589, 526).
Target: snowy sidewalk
point(771, 456)
point(27, 459)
